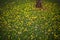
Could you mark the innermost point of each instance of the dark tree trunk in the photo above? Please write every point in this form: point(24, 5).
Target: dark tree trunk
point(38, 4)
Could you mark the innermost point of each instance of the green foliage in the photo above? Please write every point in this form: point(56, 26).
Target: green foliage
point(21, 20)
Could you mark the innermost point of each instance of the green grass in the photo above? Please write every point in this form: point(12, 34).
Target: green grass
point(21, 20)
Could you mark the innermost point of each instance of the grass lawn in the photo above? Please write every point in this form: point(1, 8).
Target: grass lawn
point(21, 20)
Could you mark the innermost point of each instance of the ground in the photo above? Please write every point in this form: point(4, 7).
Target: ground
point(21, 20)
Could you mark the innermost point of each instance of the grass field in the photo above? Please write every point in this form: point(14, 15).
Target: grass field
point(21, 20)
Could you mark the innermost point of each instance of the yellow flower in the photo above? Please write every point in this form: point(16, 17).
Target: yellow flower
point(34, 17)
point(25, 29)
point(39, 37)
point(19, 32)
point(59, 28)
point(49, 30)
point(17, 27)
point(55, 35)
point(21, 21)
point(53, 18)
point(29, 23)
point(32, 36)
point(27, 16)
point(9, 26)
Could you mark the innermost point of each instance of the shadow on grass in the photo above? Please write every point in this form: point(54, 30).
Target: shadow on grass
point(54, 1)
